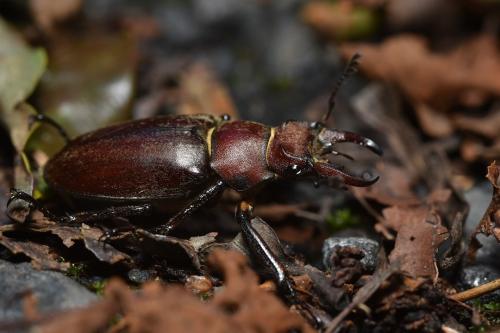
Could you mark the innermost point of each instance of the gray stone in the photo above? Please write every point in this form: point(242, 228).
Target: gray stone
point(291, 49)
point(368, 246)
point(141, 276)
point(476, 275)
point(53, 291)
point(179, 25)
point(215, 11)
point(479, 197)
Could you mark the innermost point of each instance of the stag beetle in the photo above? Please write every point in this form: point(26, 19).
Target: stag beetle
point(150, 165)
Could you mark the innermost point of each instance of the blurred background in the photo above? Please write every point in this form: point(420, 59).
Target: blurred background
point(427, 90)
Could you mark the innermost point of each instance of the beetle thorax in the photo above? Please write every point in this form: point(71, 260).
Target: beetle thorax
point(238, 154)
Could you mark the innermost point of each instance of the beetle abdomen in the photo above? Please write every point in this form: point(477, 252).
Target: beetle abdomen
point(154, 158)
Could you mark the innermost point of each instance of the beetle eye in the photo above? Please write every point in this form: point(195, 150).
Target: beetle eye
point(314, 125)
point(293, 170)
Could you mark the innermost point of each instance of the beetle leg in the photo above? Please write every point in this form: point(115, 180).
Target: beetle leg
point(106, 213)
point(80, 217)
point(200, 200)
point(117, 230)
point(263, 253)
point(40, 117)
point(17, 195)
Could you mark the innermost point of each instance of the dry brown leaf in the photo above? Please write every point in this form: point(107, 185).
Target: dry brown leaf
point(468, 74)
point(40, 223)
point(433, 122)
point(92, 237)
point(422, 304)
point(488, 125)
point(239, 307)
point(393, 188)
point(472, 150)
point(252, 307)
point(202, 92)
point(420, 232)
point(48, 13)
point(41, 255)
point(177, 252)
point(417, 239)
point(329, 19)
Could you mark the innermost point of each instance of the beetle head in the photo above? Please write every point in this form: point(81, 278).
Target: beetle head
point(301, 149)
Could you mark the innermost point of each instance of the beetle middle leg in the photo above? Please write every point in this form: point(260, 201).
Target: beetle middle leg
point(199, 201)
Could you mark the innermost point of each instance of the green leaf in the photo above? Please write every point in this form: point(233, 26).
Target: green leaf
point(21, 67)
point(89, 84)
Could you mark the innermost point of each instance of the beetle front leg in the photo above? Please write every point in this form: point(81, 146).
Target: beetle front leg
point(16, 202)
point(263, 253)
point(42, 118)
point(200, 200)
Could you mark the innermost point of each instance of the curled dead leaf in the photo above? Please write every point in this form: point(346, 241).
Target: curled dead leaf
point(487, 125)
point(202, 92)
point(41, 255)
point(420, 232)
point(469, 73)
point(92, 237)
point(48, 13)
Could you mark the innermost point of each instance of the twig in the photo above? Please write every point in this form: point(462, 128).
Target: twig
point(476, 291)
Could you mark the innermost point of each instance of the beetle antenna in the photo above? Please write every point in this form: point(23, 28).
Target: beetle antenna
point(351, 68)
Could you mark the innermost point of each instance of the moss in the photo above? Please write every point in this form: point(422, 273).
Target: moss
point(98, 286)
point(281, 84)
point(490, 311)
point(75, 271)
point(341, 219)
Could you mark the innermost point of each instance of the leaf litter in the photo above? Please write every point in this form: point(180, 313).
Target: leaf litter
point(415, 206)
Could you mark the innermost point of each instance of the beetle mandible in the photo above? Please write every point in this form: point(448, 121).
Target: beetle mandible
point(153, 164)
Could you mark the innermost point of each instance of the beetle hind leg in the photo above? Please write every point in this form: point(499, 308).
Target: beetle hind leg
point(106, 214)
point(263, 253)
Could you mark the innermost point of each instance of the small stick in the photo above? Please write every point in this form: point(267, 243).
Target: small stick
point(476, 291)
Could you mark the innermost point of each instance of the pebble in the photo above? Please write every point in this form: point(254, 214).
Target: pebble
point(479, 274)
point(369, 247)
point(53, 291)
